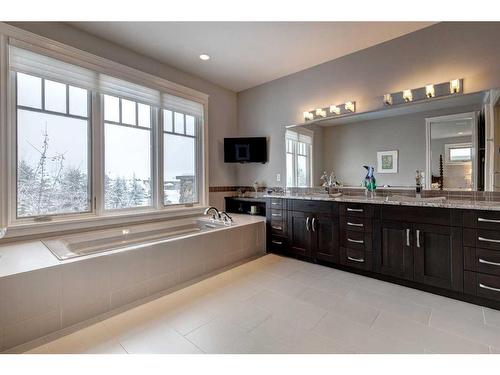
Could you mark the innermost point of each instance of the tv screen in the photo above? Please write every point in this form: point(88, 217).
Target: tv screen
point(245, 150)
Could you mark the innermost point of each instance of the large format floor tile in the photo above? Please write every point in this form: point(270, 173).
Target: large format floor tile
point(281, 305)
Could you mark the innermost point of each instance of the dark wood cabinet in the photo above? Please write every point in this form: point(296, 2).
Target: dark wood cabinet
point(446, 251)
point(299, 234)
point(326, 238)
point(439, 256)
point(396, 255)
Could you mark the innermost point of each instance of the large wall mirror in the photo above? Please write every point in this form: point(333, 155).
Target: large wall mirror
point(453, 141)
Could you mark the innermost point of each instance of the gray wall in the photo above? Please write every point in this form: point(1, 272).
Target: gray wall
point(432, 55)
point(346, 148)
point(222, 110)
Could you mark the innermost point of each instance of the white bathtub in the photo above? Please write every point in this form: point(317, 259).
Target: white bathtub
point(81, 244)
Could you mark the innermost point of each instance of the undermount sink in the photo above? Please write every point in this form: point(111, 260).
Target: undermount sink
point(402, 198)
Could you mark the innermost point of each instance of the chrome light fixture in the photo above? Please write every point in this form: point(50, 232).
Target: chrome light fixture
point(320, 112)
point(454, 86)
point(335, 109)
point(308, 116)
point(407, 96)
point(350, 106)
point(388, 99)
point(429, 91)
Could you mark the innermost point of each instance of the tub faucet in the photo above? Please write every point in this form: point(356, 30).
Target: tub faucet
point(215, 214)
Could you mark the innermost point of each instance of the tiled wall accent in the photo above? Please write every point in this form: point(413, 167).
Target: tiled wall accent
point(34, 304)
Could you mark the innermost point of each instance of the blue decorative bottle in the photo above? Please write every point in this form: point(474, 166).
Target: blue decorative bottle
point(370, 183)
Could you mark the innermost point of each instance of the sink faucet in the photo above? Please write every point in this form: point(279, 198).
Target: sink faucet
point(215, 214)
point(418, 184)
point(226, 218)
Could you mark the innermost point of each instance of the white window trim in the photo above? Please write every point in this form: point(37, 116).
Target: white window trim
point(98, 216)
point(308, 133)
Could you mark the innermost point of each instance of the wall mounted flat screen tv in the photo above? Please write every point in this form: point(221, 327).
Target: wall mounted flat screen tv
point(245, 150)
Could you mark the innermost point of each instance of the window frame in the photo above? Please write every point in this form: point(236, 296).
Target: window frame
point(13, 82)
point(452, 146)
point(198, 157)
point(295, 154)
point(97, 217)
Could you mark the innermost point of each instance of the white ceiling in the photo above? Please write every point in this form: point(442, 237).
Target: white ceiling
point(247, 54)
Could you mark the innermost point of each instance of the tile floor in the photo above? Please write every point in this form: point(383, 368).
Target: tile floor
point(280, 305)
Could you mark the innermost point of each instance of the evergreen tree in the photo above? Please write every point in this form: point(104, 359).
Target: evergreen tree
point(119, 193)
point(136, 192)
point(73, 192)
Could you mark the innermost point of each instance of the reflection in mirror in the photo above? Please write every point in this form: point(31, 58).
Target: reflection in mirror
point(452, 147)
point(299, 149)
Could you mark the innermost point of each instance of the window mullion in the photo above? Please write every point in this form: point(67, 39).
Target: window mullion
point(98, 153)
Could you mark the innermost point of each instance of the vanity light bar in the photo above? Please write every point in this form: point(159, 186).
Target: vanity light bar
point(427, 92)
point(333, 110)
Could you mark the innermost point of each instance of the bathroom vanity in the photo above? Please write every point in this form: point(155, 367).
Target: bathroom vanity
point(445, 247)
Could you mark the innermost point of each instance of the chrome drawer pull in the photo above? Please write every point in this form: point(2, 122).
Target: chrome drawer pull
point(355, 224)
point(488, 240)
point(354, 209)
point(276, 215)
point(488, 220)
point(418, 238)
point(488, 262)
point(274, 203)
point(355, 241)
point(277, 242)
point(408, 237)
point(276, 227)
point(359, 260)
point(489, 287)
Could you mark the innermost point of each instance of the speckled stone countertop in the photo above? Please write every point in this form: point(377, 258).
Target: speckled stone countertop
point(398, 201)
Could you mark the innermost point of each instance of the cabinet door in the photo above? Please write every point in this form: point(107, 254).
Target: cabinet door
point(326, 238)
point(439, 256)
point(396, 254)
point(299, 233)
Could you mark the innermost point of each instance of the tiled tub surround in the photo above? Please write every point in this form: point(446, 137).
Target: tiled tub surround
point(41, 295)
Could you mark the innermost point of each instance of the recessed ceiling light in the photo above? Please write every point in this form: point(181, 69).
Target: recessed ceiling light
point(204, 57)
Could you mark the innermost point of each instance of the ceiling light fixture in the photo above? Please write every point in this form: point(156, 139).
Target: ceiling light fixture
point(204, 57)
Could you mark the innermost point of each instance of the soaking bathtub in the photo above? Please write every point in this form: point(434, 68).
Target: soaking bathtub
point(82, 244)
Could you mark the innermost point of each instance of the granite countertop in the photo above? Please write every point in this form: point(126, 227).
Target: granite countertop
point(403, 201)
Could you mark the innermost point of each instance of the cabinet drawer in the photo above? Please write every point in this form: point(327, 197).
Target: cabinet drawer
point(353, 239)
point(276, 214)
point(311, 206)
point(421, 215)
point(482, 219)
point(482, 285)
point(482, 238)
point(277, 243)
point(356, 223)
point(482, 260)
point(356, 210)
point(356, 258)
point(278, 227)
point(276, 203)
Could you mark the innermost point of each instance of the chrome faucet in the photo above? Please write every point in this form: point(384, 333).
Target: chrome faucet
point(226, 218)
point(215, 215)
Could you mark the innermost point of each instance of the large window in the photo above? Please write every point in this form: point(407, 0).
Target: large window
point(52, 147)
point(87, 143)
point(127, 180)
point(298, 159)
point(180, 143)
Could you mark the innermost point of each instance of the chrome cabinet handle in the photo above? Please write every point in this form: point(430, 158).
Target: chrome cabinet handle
point(277, 227)
point(489, 287)
point(355, 224)
point(488, 262)
point(488, 240)
point(313, 224)
point(277, 242)
point(487, 220)
point(418, 238)
point(307, 224)
point(276, 215)
point(274, 203)
point(359, 260)
point(355, 241)
point(354, 209)
point(408, 237)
